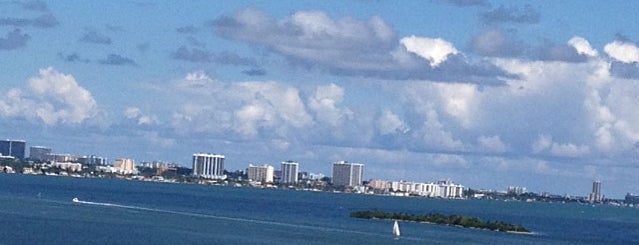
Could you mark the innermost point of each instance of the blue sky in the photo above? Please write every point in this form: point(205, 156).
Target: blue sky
point(487, 93)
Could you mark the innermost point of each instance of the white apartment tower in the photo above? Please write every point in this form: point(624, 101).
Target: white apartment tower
point(208, 166)
point(125, 166)
point(262, 173)
point(290, 170)
point(347, 174)
point(595, 195)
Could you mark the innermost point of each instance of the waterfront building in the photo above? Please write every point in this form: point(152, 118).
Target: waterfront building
point(290, 170)
point(516, 190)
point(68, 166)
point(347, 174)
point(39, 153)
point(450, 189)
point(595, 195)
point(632, 199)
point(57, 157)
point(124, 166)
point(441, 189)
point(14, 148)
point(379, 185)
point(262, 173)
point(92, 160)
point(208, 166)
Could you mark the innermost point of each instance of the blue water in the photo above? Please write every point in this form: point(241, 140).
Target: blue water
point(38, 210)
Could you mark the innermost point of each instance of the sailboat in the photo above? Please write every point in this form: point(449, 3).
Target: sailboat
point(396, 230)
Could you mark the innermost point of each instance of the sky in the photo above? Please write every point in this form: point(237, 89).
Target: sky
point(489, 94)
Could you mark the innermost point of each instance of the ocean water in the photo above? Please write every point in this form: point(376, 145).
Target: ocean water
point(39, 210)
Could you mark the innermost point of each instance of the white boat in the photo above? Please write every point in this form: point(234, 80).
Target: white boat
point(75, 199)
point(396, 229)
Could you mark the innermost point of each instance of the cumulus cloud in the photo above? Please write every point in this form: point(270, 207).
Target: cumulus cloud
point(390, 123)
point(350, 47)
point(434, 50)
point(324, 103)
point(625, 52)
point(136, 114)
point(52, 97)
point(118, 60)
point(545, 143)
point(248, 109)
point(506, 43)
point(458, 101)
point(583, 46)
point(501, 14)
point(492, 144)
point(624, 70)
point(561, 52)
point(569, 150)
point(92, 36)
point(429, 130)
point(14, 40)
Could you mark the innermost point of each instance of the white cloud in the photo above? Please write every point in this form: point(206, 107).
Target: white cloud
point(582, 46)
point(435, 50)
point(389, 123)
point(569, 150)
point(435, 135)
point(458, 100)
point(492, 144)
point(353, 47)
point(545, 143)
point(324, 103)
point(622, 51)
point(51, 97)
point(137, 115)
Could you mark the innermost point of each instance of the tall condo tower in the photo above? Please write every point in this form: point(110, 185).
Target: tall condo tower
point(595, 195)
point(290, 169)
point(39, 153)
point(347, 174)
point(208, 166)
point(14, 148)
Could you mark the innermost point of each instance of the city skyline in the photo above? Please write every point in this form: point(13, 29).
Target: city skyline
point(211, 166)
point(488, 93)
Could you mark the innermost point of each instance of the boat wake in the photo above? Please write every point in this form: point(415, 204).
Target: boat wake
point(264, 222)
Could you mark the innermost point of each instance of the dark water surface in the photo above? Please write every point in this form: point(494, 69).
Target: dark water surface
point(39, 210)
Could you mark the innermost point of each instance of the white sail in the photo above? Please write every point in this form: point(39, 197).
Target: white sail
point(396, 229)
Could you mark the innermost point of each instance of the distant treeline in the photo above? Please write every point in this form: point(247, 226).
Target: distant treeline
point(455, 220)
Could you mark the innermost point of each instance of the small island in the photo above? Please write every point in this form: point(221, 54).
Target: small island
point(435, 218)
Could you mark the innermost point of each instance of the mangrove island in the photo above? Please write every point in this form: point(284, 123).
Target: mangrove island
point(435, 218)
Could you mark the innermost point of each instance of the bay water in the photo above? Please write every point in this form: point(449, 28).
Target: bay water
point(39, 210)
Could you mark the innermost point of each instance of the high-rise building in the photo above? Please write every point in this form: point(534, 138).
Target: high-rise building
point(39, 153)
point(595, 195)
point(14, 148)
point(347, 174)
point(208, 166)
point(290, 170)
point(125, 165)
point(262, 173)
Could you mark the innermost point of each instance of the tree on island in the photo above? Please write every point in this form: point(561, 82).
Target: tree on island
point(436, 218)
